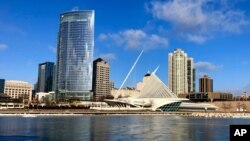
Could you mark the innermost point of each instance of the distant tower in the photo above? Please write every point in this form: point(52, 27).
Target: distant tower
point(181, 72)
point(2, 84)
point(112, 85)
point(45, 77)
point(206, 84)
point(75, 55)
point(101, 82)
point(191, 75)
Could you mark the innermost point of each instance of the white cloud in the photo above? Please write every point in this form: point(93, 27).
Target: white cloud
point(135, 39)
point(196, 39)
point(245, 63)
point(52, 48)
point(10, 28)
point(203, 68)
point(207, 66)
point(197, 20)
point(107, 57)
point(182, 12)
point(3, 46)
point(102, 37)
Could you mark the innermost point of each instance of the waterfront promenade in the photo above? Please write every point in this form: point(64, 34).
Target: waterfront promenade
point(76, 111)
point(62, 112)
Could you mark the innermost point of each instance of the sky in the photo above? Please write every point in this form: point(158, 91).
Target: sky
point(213, 32)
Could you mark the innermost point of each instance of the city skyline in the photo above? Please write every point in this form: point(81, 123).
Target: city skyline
point(215, 34)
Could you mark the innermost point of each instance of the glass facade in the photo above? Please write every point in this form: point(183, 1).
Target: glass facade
point(45, 77)
point(172, 107)
point(75, 55)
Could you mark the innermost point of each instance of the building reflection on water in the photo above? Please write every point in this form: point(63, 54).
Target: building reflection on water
point(115, 127)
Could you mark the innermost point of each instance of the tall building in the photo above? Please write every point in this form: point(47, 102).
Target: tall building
point(191, 75)
point(17, 89)
point(112, 85)
point(75, 55)
point(205, 84)
point(2, 83)
point(181, 72)
point(45, 77)
point(101, 82)
point(54, 79)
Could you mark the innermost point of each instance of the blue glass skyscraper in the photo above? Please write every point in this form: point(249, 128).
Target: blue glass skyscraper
point(75, 55)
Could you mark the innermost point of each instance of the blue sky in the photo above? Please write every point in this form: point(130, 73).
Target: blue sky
point(214, 32)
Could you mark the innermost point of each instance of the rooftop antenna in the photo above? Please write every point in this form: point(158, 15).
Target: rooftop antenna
point(129, 72)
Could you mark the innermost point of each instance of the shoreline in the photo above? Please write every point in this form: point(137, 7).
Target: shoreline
point(80, 112)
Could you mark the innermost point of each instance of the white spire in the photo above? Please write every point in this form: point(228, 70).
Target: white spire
point(155, 70)
point(129, 72)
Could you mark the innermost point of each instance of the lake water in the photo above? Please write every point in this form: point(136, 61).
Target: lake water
point(116, 127)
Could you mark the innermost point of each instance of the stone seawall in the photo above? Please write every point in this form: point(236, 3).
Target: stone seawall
point(221, 115)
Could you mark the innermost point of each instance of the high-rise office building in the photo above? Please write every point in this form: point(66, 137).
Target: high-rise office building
point(45, 77)
point(205, 84)
point(2, 83)
point(101, 82)
point(75, 55)
point(181, 72)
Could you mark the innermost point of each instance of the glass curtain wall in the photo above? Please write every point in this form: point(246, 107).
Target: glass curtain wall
point(75, 55)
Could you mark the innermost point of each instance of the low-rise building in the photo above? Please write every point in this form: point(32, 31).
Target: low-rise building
point(43, 97)
point(207, 96)
point(18, 89)
point(6, 102)
point(4, 98)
